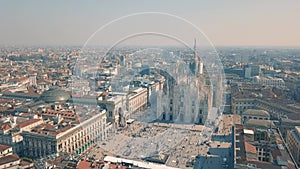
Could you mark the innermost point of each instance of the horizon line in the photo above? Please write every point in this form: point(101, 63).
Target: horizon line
point(94, 45)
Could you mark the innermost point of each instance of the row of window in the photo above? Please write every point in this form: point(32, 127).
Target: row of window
point(257, 118)
point(245, 103)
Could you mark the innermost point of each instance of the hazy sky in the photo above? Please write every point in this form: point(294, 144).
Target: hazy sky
point(225, 22)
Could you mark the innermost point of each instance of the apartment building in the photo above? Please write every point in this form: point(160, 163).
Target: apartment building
point(293, 143)
point(49, 138)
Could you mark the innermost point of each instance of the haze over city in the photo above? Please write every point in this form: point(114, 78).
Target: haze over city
point(226, 23)
point(150, 84)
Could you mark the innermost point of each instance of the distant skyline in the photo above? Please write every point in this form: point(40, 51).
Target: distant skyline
point(225, 22)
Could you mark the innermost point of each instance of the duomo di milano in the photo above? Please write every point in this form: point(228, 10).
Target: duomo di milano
point(187, 97)
point(186, 94)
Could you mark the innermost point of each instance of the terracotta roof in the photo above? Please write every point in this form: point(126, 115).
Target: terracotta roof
point(6, 100)
point(18, 79)
point(83, 165)
point(24, 114)
point(265, 165)
point(31, 90)
point(64, 114)
point(250, 148)
point(27, 123)
point(88, 165)
point(113, 166)
point(44, 81)
point(9, 158)
point(23, 78)
point(4, 126)
point(4, 147)
point(49, 129)
point(105, 93)
point(2, 108)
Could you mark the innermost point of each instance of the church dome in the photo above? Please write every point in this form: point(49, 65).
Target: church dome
point(55, 94)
